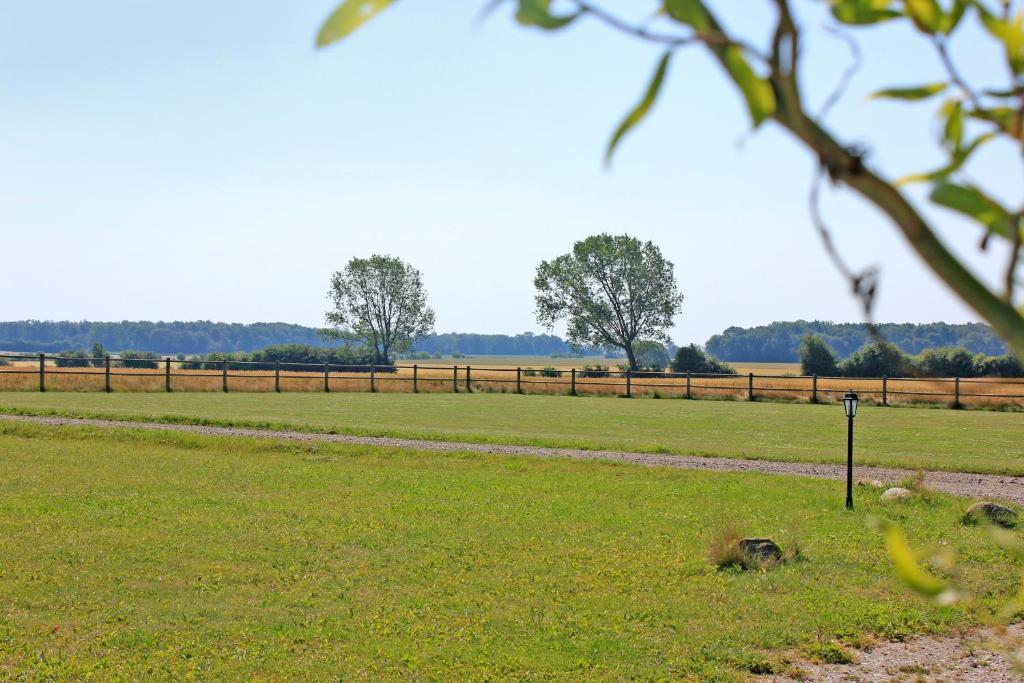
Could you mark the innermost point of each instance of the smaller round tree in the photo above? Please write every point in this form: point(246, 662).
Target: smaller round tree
point(817, 357)
point(382, 301)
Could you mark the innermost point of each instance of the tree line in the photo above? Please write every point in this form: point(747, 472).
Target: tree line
point(780, 342)
point(202, 337)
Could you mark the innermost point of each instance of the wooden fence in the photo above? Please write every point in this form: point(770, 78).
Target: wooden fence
point(53, 373)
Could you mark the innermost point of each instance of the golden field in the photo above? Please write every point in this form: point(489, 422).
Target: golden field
point(771, 381)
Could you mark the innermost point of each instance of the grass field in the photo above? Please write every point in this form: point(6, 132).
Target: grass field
point(137, 555)
point(968, 441)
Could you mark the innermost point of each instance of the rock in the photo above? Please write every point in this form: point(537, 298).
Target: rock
point(760, 550)
point(870, 482)
point(896, 493)
point(990, 512)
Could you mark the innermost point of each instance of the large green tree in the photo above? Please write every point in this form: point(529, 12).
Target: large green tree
point(380, 300)
point(768, 74)
point(614, 291)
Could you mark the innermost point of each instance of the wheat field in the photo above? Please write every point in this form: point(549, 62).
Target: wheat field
point(769, 383)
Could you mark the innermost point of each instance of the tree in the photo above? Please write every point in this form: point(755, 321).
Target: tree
point(693, 358)
point(380, 300)
point(817, 357)
point(613, 290)
point(768, 73)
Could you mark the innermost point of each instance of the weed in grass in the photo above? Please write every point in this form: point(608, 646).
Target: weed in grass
point(828, 653)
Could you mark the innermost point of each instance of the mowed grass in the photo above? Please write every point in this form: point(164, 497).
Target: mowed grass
point(136, 555)
point(913, 438)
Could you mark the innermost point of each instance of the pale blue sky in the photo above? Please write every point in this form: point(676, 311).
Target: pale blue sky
point(200, 160)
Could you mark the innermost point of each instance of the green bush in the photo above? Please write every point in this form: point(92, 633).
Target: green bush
point(146, 360)
point(293, 358)
point(877, 359)
point(948, 362)
point(594, 371)
point(72, 359)
point(693, 358)
point(1006, 365)
point(651, 356)
point(817, 357)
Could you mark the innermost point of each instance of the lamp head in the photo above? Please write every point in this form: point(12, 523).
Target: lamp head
point(850, 401)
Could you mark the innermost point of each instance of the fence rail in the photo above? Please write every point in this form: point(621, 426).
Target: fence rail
point(44, 372)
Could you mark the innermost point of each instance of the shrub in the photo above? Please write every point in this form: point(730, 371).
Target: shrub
point(693, 358)
point(294, 357)
point(4, 361)
point(72, 359)
point(817, 357)
point(875, 360)
point(139, 359)
point(949, 362)
point(651, 356)
point(594, 371)
point(1000, 366)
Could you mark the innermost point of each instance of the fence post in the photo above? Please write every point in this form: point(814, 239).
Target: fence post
point(415, 379)
point(373, 378)
point(574, 381)
point(106, 373)
point(519, 380)
point(814, 388)
point(167, 375)
point(629, 385)
point(469, 385)
point(327, 378)
point(42, 372)
point(455, 379)
point(750, 387)
point(885, 390)
point(956, 396)
point(688, 392)
point(277, 376)
point(224, 375)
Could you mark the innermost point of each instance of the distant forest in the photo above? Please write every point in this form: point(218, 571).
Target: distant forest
point(201, 337)
point(779, 342)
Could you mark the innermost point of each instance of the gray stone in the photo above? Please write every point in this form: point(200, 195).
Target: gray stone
point(760, 549)
point(991, 512)
point(896, 493)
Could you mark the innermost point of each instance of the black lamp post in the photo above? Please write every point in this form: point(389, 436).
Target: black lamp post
point(850, 406)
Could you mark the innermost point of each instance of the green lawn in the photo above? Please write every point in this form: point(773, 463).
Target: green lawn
point(130, 554)
point(929, 438)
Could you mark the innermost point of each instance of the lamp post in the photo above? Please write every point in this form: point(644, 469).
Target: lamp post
point(850, 407)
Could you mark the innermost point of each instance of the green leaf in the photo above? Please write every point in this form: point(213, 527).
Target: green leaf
point(348, 17)
point(863, 12)
point(537, 13)
point(926, 15)
point(919, 92)
point(972, 202)
point(693, 13)
point(953, 130)
point(642, 108)
point(1007, 118)
point(958, 159)
point(756, 91)
point(952, 20)
point(1010, 32)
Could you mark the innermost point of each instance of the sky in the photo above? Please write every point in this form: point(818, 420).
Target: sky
point(202, 161)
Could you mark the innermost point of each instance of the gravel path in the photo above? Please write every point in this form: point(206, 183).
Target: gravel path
point(958, 483)
point(978, 656)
